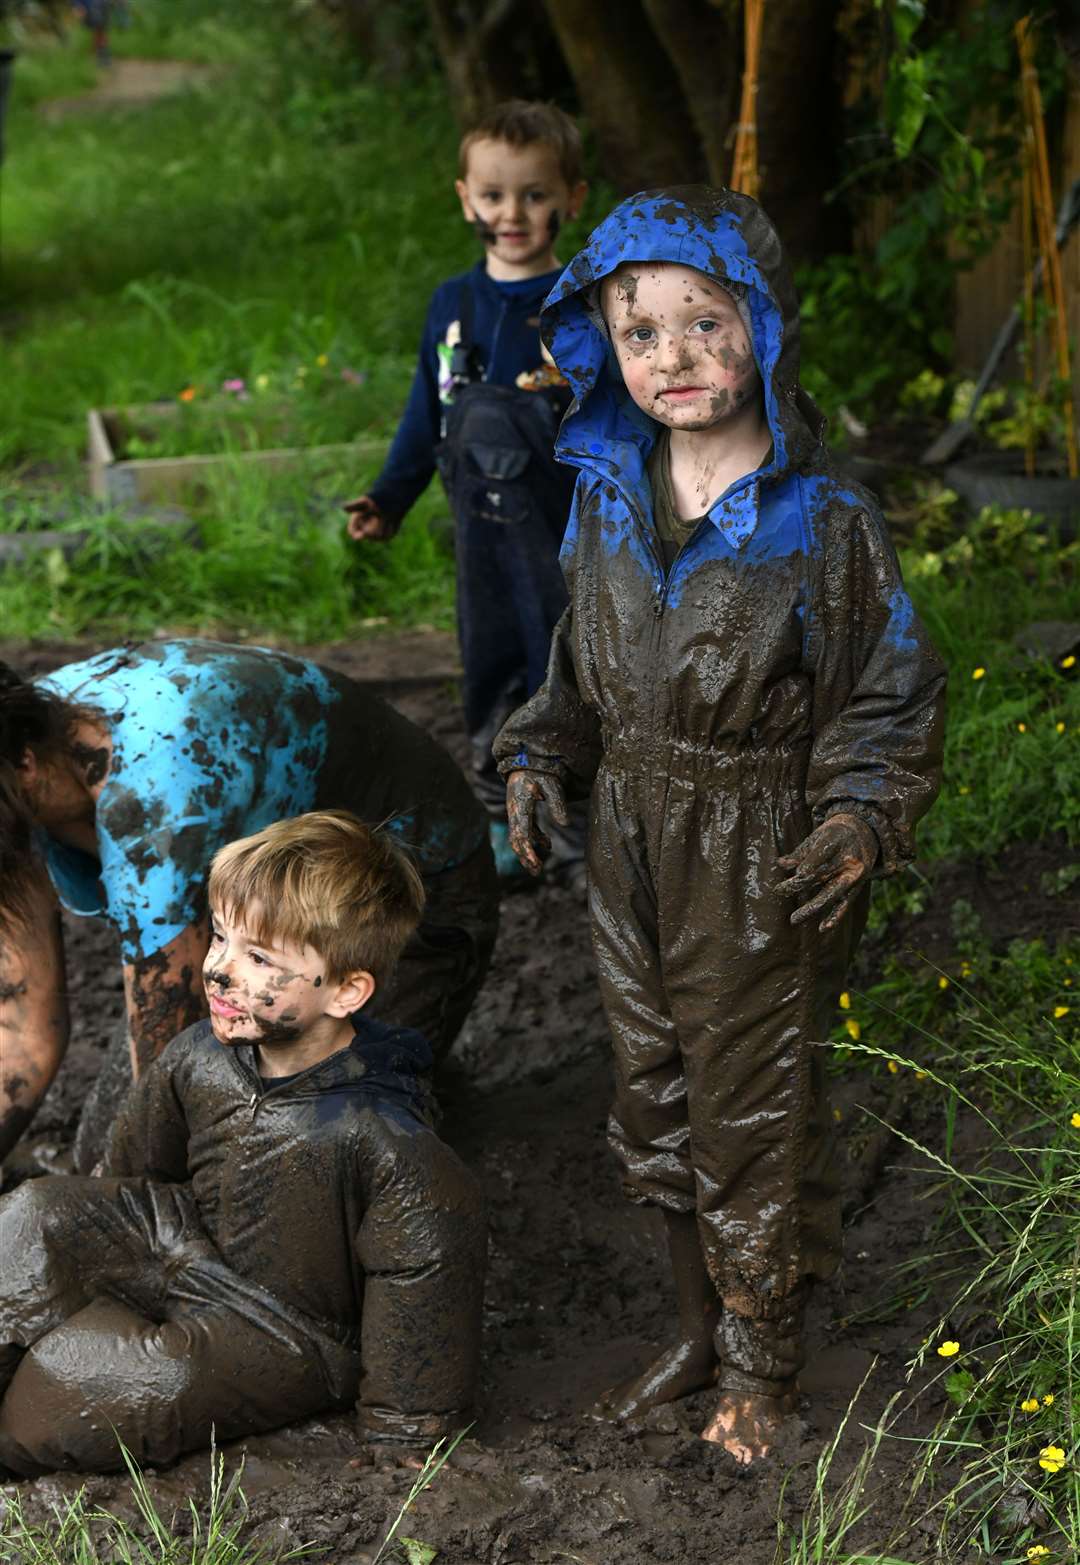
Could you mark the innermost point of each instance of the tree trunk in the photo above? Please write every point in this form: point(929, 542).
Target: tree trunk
point(495, 49)
point(630, 93)
point(799, 126)
point(703, 40)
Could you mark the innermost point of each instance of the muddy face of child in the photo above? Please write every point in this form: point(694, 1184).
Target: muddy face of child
point(517, 199)
point(265, 993)
point(682, 347)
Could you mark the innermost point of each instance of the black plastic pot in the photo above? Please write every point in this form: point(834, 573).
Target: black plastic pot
point(998, 478)
point(7, 65)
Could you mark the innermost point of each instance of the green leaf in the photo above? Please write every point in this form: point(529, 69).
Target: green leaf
point(417, 1553)
point(914, 101)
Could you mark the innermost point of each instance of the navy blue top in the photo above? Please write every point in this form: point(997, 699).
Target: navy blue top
point(506, 333)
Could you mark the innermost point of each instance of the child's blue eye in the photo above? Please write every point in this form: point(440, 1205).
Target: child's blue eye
point(706, 326)
point(641, 334)
point(490, 195)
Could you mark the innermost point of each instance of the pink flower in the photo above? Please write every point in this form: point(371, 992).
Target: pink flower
point(236, 387)
point(353, 377)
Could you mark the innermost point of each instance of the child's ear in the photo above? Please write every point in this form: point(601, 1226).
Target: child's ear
point(354, 991)
point(463, 196)
point(577, 198)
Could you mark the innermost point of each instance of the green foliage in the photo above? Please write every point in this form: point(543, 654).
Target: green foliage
point(935, 135)
point(1012, 756)
point(273, 560)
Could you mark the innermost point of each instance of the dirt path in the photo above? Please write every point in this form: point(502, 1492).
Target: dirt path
point(129, 84)
point(576, 1293)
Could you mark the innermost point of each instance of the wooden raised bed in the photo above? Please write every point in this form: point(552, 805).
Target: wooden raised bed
point(146, 480)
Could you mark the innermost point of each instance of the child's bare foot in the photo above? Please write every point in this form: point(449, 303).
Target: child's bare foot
point(746, 1424)
point(689, 1365)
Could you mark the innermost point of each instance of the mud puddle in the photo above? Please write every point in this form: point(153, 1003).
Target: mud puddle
point(577, 1294)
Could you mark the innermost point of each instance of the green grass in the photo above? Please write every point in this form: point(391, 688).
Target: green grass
point(79, 1533)
point(285, 212)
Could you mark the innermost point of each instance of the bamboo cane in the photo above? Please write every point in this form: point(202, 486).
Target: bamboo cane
point(1042, 201)
point(1027, 221)
point(745, 175)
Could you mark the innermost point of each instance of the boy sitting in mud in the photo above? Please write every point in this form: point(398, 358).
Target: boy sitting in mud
point(278, 1231)
point(742, 683)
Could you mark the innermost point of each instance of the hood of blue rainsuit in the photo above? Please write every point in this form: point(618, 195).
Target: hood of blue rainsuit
point(728, 237)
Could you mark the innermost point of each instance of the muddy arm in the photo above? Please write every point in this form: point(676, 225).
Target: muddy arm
point(150, 1136)
point(879, 691)
point(555, 731)
point(33, 1009)
point(423, 1247)
point(164, 994)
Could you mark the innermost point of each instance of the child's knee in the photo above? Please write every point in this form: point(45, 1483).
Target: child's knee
point(86, 1388)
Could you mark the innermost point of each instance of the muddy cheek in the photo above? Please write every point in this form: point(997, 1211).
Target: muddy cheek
point(554, 225)
point(483, 231)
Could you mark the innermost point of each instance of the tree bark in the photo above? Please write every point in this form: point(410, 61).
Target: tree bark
point(703, 40)
point(799, 126)
point(629, 91)
point(495, 49)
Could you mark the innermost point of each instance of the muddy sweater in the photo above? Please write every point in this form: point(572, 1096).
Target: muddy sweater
point(332, 1193)
point(717, 711)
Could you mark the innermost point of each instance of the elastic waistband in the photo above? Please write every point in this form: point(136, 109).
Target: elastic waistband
point(656, 755)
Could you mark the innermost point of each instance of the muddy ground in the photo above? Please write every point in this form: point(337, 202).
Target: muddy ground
point(577, 1293)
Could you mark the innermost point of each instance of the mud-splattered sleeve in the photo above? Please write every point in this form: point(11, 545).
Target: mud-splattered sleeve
point(879, 687)
point(556, 731)
point(422, 1245)
point(150, 1136)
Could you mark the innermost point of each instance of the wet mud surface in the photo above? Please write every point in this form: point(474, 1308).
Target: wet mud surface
point(577, 1293)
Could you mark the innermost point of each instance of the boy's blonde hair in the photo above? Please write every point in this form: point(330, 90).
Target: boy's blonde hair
point(520, 122)
point(327, 881)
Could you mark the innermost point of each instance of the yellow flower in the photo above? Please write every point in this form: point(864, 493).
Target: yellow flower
point(1048, 1399)
point(837, 1116)
point(1060, 1011)
point(1059, 728)
point(1052, 1458)
point(1021, 728)
point(1037, 1552)
point(845, 1001)
point(966, 969)
point(1030, 1405)
point(1067, 982)
point(261, 382)
point(980, 673)
point(948, 1350)
point(853, 1028)
point(1075, 1122)
point(920, 1075)
point(1069, 662)
point(323, 360)
point(894, 1069)
point(943, 982)
point(963, 788)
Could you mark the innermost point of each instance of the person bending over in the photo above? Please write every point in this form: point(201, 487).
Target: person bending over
point(744, 685)
point(121, 776)
point(278, 1230)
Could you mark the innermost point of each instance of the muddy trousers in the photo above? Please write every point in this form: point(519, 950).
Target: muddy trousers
point(119, 1323)
point(715, 1006)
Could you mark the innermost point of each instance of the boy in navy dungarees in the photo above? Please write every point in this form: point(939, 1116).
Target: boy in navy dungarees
point(485, 408)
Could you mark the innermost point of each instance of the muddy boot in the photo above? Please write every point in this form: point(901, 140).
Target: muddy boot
point(760, 1360)
point(690, 1363)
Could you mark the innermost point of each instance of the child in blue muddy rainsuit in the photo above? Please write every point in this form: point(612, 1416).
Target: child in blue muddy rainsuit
point(742, 684)
point(485, 408)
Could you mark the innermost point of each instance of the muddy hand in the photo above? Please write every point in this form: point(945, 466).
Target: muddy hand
point(828, 868)
point(365, 520)
point(524, 792)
